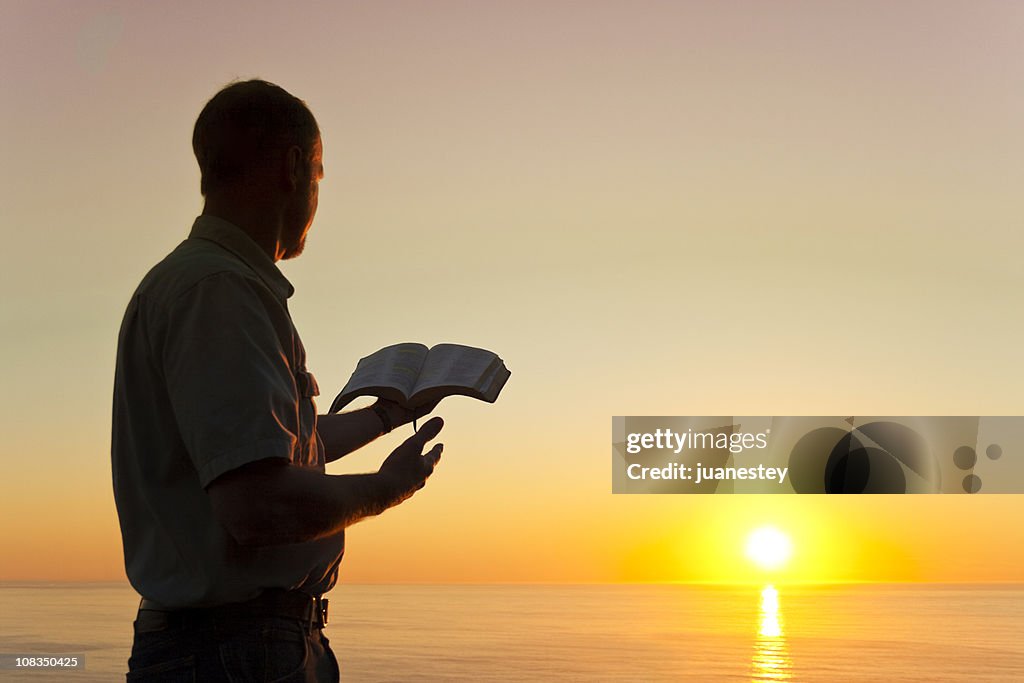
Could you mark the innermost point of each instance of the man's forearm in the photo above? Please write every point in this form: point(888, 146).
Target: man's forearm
point(343, 433)
point(297, 505)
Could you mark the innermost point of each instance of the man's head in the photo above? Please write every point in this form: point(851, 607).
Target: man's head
point(254, 137)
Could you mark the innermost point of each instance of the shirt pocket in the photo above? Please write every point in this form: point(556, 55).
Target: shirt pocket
point(306, 383)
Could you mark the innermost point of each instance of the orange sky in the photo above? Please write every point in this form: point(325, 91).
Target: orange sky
point(644, 208)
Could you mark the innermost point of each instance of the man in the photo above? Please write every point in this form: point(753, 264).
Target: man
point(231, 529)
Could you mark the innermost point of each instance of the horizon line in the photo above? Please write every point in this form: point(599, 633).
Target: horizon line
point(704, 583)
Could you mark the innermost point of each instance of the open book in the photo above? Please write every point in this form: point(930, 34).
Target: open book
point(413, 375)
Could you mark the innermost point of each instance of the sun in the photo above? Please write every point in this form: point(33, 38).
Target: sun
point(769, 548)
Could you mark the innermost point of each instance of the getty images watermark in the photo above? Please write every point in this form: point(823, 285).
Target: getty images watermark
point(731, 454)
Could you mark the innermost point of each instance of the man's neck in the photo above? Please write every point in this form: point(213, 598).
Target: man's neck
point(259, 221)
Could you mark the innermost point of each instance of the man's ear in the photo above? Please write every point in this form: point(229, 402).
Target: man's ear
point(295, 173)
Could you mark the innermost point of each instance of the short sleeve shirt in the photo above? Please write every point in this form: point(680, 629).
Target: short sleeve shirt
point(210, 375)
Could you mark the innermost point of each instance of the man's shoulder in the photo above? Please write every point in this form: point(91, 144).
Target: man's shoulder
point(194, 261)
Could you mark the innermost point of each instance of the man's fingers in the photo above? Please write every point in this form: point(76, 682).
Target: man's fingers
point(430, 429)
point(409, 463)
point(433, 456)
point(429, 462)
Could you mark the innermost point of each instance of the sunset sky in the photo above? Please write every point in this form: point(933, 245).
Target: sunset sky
point(646, 208)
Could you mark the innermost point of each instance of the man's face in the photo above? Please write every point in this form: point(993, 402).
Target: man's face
point(306, 200)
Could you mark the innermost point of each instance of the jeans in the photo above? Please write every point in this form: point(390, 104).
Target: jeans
point(232, 650)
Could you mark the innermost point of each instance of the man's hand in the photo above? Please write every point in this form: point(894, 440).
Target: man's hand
point(408, 467)
point(398, 416)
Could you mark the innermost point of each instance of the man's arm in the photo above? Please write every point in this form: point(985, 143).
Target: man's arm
point(343, 433)
point(271, 501)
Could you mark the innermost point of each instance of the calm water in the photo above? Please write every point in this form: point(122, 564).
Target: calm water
point(591, 633)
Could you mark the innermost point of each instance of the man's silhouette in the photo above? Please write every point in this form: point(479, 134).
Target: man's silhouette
point(232, 531)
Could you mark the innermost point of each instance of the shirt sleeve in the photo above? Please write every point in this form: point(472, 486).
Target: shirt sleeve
point(225, 358)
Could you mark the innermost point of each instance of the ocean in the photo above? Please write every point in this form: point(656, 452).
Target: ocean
point(656, 632)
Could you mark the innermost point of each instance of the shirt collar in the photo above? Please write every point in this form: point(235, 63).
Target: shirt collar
point(235, 240)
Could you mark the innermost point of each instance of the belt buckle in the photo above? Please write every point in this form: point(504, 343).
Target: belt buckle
point(318, 612)
point(320, 606)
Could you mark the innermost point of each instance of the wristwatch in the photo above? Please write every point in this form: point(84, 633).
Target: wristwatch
point(385, 419)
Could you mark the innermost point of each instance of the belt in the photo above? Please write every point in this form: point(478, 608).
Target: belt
point(311, 610)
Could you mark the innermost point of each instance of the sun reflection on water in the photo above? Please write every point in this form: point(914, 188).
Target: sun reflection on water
point(771, 660)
